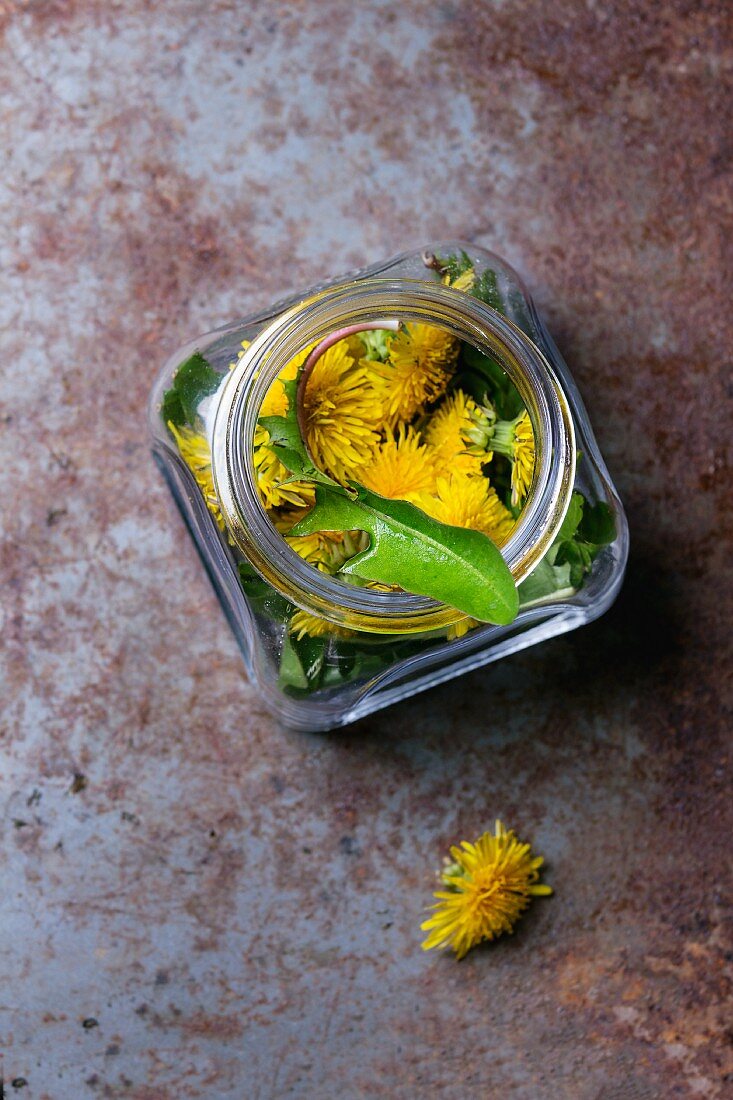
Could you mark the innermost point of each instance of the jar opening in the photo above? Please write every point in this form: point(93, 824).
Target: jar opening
point(360, 305)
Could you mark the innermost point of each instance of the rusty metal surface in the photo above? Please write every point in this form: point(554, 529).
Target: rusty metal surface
point(194, 902)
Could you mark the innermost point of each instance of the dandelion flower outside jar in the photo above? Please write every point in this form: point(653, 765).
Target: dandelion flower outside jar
point(392, 480)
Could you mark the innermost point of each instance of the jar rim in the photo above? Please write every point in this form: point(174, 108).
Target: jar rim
point(308, 322)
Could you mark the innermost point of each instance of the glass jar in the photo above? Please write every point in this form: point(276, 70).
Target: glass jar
point(376, 647)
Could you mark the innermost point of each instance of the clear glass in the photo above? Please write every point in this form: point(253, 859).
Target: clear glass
point(401, 643)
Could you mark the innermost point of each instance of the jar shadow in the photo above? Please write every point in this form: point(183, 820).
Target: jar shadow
point(627, 654)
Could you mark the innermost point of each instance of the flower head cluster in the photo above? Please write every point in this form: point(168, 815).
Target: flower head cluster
point(381, 409)
point(385, 409)
point(487, 887)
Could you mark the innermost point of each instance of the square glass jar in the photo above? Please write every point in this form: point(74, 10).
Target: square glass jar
point(375, 647)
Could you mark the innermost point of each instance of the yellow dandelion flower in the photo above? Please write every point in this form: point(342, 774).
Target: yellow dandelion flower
point(341, 414)
point(515, 440)
point(303, 623)
point(465, 281)
point(421, 361)
point(524, 454)
point(271, 476)
point(488, 887)
point(461, 628)
point(285, 518)
point(194, 449)
point(275, 402)
point(463, 501)
point(446, 434)
point(400, 468)
point(328, 550)
point(375, 586)
point(290, 373)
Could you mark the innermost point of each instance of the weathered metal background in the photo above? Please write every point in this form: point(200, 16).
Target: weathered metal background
point(195, 903)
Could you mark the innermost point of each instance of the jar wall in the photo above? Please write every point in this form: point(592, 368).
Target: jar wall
point(350, 678)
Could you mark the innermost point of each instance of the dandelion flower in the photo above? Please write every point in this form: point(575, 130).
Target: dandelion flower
point(304, 624)
point(275, 402)
point(464, 501)
point(400, 468)
point(480, 428)
point(272, 477)
point(515, 440)
point(341, 415)
point(461, 628)
point(421, 361)
point(524, 454)
point(284, 518)
point(465, 281)
point(327, 551)
point(195, 451)
point(488, 886)
point(447, 435)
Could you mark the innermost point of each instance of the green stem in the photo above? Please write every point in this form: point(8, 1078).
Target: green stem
point(502, 437)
